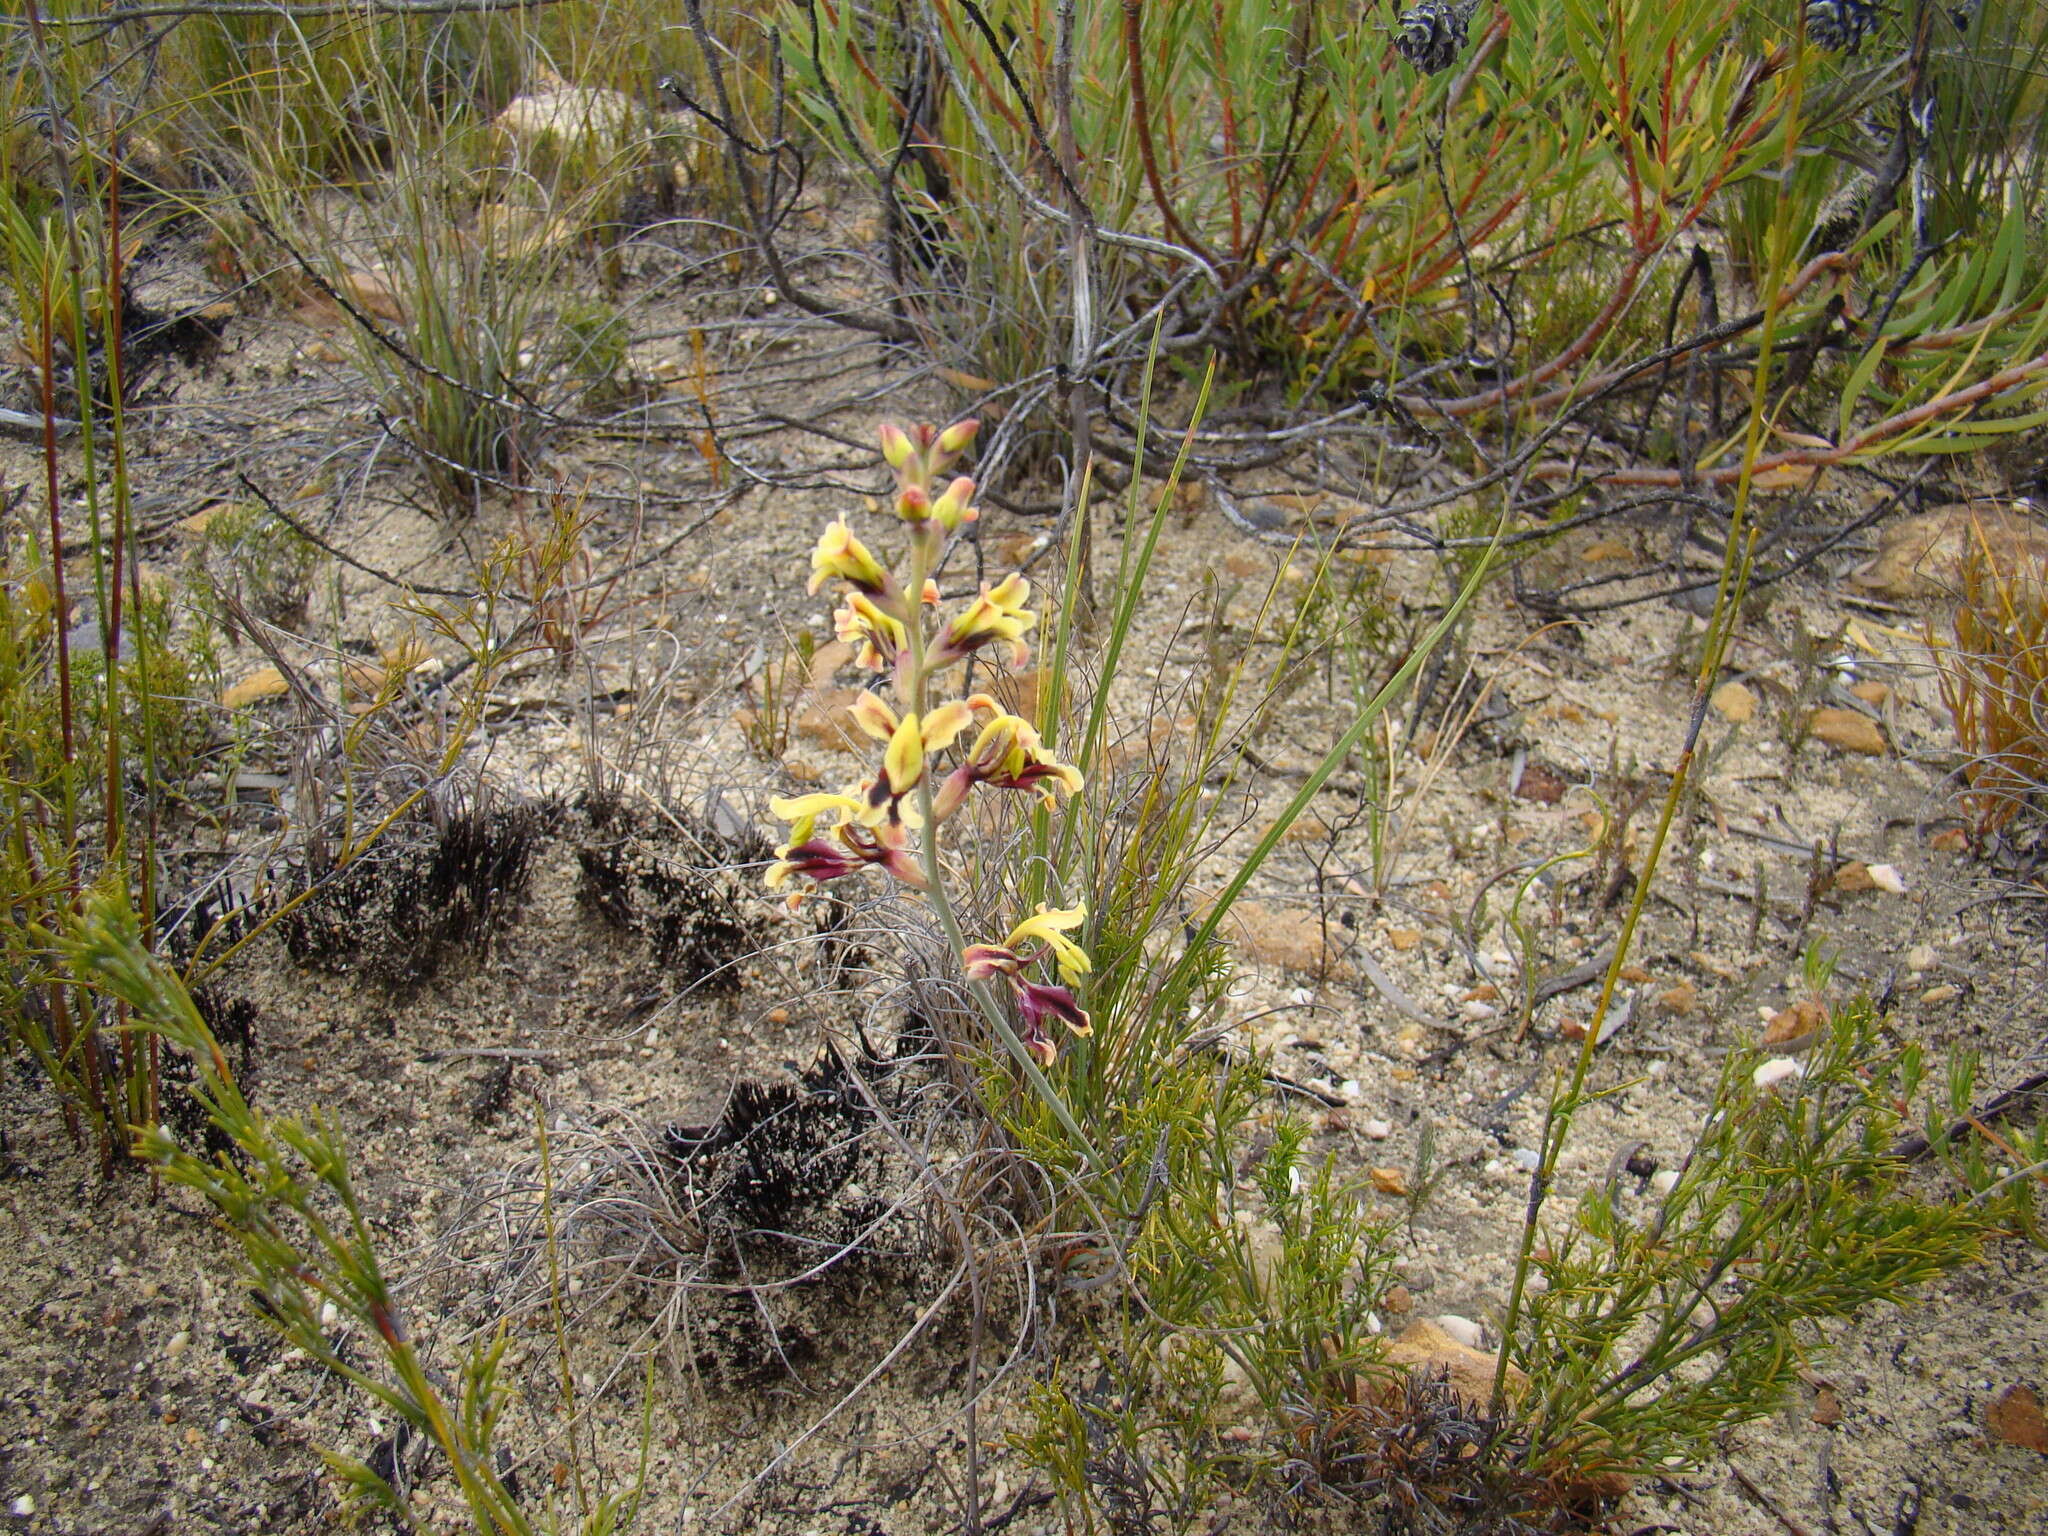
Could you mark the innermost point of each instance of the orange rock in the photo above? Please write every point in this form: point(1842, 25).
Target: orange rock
point(1289, 939)
point(1847, 731)
point(1791, 1028)
point(1924, 556)
point(1390, 1181)
point(1404, 939)
point(1736, 704)
point(1424, 1348)
point(263, 683)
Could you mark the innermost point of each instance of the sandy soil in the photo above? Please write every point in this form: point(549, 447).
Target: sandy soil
point(140, 1393)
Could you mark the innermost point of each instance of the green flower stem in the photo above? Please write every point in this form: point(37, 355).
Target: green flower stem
point(928, 851)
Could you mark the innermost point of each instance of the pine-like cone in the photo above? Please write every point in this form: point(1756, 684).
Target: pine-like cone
point(1430, 35)
point(1839, 26)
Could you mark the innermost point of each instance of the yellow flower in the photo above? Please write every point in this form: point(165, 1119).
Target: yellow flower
point(998, 614)
point(842, 555)
point(911, 740)
point(1050, 925)
point(803, 811)
point(880, 636)
point(1008, 754)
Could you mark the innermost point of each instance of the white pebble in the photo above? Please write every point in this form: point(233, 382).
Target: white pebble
point(1778, 1069)
point(22, 1507)
point(328, 1315)
point(1663, 1181)
point(1351, 1089)
point(1462, 1329)
point(1658, 1068)
point(1920, 958)
point(1301, 997)
point(1476, 1010)
point(1886, 877)
point(180, 1342)
point(1526, 1159)
point(1377, 1130)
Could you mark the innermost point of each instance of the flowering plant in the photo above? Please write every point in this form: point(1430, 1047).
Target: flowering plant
point(893, 818)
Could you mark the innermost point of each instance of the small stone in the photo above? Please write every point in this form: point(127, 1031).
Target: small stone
point(1875, 694)
point(778, 1016)
point(1415, 1274)
point(1796, 1027)
point(1525, 1159)
point(1351, 1088)
point(1663, 1181)
point(179, 1343)
point(1541, 783)
point(1477, 1011)
point(1920, 957)
point(2015, 1417)
point(1681, 999)
point(1827, 1407)
point(1398, 1300)
point(22, 1506)
point(1779, 1069)
point(550, 128)
point(1735, 703)
point(1858, 876)
point(1941, 994)
point(1404, 939)
point(1390, 1181)
point(1462, 1330)
point(1377, 1130)
point(1847, 731)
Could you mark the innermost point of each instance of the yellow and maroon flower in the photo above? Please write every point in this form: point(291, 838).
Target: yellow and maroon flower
point(1037, 1002)
point(911, 740)
point(839, 554)
point(1008, 754)
point(879, 637)
point(998, 615)
point(1042, 936)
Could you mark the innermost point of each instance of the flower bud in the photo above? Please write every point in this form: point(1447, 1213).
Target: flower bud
point(896, 447)
point(914, 504)
point(954, 440)
point(953, 507)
